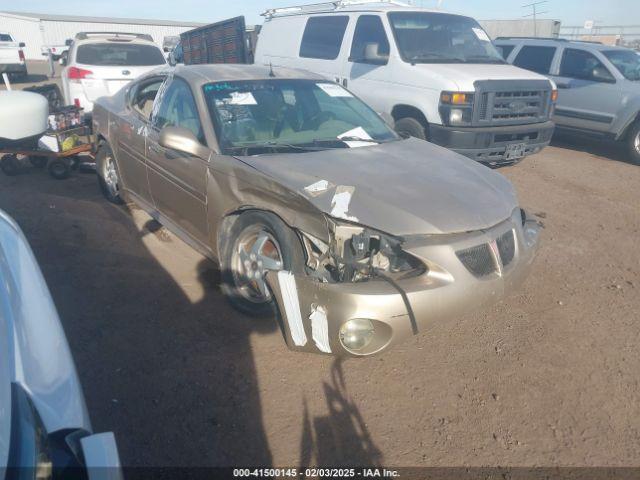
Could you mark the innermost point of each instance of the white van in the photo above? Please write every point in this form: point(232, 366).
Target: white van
point(437, 74)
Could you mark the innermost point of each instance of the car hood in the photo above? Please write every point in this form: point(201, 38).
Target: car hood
point(402, 187)
point(462, 76)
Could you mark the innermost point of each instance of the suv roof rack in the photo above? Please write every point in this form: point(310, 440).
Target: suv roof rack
point(532, 38)
point(555, 39)
point(326, 7)
point(86, 35)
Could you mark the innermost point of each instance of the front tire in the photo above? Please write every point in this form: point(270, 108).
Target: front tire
point(633, 143)
point(258, 242)
point(108, 175)
point(10, 165)
point(411, 127)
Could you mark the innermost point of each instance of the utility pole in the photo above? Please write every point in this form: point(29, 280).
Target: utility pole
point(534, 14)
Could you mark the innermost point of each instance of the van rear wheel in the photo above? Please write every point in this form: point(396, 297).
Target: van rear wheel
point(411, 127)
point(634, 143)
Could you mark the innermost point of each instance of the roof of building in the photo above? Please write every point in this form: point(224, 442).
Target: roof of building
point(78, 18)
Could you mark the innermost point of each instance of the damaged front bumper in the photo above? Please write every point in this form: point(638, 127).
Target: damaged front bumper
point(465, 272)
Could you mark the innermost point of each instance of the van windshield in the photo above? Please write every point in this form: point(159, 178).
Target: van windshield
point(426, 37)
point(626, 61)
point(287, 115)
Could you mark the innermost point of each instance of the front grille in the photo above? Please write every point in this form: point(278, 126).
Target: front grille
point(478, 260)
point(511, 102)
point(506, 247)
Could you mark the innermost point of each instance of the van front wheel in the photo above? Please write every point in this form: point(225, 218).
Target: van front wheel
point(411, 127)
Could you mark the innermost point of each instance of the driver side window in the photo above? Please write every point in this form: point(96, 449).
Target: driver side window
point(178, 109)
point(583, 65)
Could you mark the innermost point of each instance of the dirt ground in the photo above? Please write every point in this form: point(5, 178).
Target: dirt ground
point(551, 376)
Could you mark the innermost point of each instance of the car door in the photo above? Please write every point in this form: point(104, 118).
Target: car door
point(369, 77)
point(177, 180)
point(588, 97)
point(132, 128)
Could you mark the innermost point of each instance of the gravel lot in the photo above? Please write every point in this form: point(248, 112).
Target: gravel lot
point(547, 377)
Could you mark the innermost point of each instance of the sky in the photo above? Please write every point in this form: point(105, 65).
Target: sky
point(570, 12)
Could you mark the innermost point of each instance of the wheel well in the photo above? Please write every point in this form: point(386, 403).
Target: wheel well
point(627, 131)
point(404, 111)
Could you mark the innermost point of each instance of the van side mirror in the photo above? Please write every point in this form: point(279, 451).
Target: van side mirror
point(371, 55)
point(22, 44)
point(184, 141)
point(172, 60)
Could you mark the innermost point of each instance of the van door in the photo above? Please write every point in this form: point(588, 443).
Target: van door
point(367, 70)
point(588, 97)
point(322, 48)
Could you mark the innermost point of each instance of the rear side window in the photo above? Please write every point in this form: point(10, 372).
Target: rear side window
point(323, 37)
point(369, 30)
point(505, 50)
point(118, 54)
point(5, 38)
point(536, 59)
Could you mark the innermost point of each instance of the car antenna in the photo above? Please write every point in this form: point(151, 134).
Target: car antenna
point(271, 74)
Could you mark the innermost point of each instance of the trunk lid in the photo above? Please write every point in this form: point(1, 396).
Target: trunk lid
point(9, 53)
point(107, 80)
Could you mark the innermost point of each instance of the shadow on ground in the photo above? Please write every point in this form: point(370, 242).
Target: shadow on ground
point(595, 146)
point(175, 379)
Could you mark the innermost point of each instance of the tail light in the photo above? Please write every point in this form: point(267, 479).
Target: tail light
point(76, 102)
point(21, 55)
point(77, 74)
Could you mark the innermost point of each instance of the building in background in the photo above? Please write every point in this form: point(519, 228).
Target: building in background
point(521, 28)
point(37, 30)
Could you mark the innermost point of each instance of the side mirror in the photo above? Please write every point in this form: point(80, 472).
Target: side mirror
point(601, 74)
point(22, 44)
point(172, 60)
point(372, 55)
point(183, 140)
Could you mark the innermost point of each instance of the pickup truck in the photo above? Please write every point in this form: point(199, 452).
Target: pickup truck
point(12, 59)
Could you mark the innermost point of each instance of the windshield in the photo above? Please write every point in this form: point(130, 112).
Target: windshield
point(626, 61)
point(118, 54)
point(425, 37)
point(261, 116)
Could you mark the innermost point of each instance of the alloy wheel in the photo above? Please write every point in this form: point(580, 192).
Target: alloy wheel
point(255, 252)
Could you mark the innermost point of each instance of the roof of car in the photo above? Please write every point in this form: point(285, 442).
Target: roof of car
point(558, 41)
point(336, 8)
point(234, 72)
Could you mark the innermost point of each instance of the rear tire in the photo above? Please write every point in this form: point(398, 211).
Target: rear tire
point(633, 143)
point(411, 127)
point(10, 165)
point(60, 168)
point(284, 252)
point(108, 175)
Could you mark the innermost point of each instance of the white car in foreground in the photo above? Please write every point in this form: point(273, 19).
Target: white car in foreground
point(99, 64)
point(45, 430)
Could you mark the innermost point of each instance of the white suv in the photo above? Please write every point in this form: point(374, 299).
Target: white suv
point(437, 74)
point(101, 63)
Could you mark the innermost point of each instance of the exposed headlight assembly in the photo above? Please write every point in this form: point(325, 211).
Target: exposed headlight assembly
point(456, 108)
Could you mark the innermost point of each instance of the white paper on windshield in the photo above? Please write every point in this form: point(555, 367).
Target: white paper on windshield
point(242, 98)
point(357, 132)
point(334, 90)
point(481, 34)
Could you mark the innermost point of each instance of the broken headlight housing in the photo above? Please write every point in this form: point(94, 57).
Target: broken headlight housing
point(357, 253)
